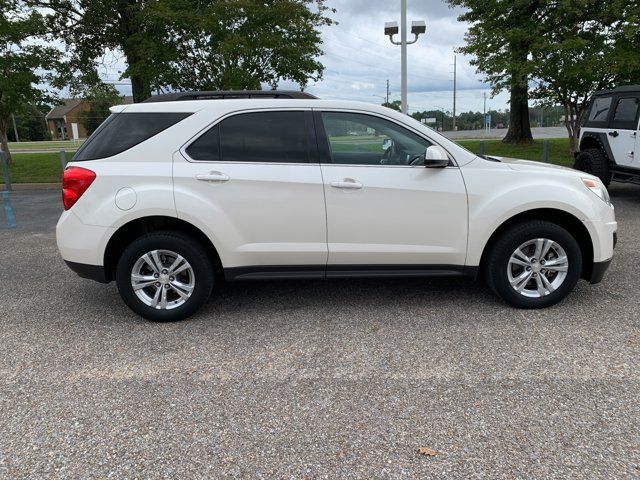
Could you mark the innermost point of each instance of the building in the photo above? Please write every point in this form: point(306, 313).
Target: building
point(60, 118)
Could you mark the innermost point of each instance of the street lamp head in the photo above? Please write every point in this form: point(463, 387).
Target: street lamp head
point(391, 28)
point(418, 27)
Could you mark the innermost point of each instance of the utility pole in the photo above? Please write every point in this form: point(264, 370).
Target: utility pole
point(15, 129)
point(387, 102)
point(454, 92)
point(403, 54)
point(484, 113)
point(391, 29)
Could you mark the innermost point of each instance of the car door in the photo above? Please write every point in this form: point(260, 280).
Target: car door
point(385, 210)
point(623, 130)
point(254, 184)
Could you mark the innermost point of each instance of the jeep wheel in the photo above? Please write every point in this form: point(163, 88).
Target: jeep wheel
point(595, 162)
point(164, 276)
point(534, 264)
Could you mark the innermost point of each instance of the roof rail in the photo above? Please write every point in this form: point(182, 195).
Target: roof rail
point(222, 94)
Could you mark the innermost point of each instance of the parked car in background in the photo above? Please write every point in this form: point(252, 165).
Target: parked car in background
point(171, 196)
point(609, 140)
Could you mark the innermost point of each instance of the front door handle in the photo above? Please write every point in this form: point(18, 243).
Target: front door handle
point(614, 134)
point(212, 177)
point(347, 184)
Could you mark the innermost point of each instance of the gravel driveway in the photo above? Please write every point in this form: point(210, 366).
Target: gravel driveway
point(333, 379)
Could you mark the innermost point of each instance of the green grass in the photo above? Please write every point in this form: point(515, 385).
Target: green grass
point(558, 150)
point(36, 168)
point(67, 145)
point(45, 167)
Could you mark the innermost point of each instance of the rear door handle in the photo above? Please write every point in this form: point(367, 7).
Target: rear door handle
point(212, 177)
point(347, 184)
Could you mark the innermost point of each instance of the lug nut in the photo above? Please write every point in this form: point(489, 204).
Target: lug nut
point(541, 262)
point(533, 260)
point(528, 269)
point(165, 271)
point(166, 285)
point(155, 275)
point(535, 275)
point(543, 271)
point(157, 284)
point(171, 279)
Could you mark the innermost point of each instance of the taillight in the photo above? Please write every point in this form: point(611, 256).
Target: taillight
point(75, 181)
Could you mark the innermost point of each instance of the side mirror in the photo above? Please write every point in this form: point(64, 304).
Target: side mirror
point(436, 157)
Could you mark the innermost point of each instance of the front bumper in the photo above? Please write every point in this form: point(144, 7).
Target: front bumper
point(598, 271)
point(599, 268)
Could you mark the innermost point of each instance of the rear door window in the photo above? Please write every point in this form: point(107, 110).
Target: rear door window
point(626, 114)
point(121, 131)
point(266, 137)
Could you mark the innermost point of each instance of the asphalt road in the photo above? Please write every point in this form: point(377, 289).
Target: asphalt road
point(333, 379)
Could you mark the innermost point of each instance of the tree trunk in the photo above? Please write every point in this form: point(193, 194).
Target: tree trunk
point(519, 125)
point(140, 88)
point(4, 141)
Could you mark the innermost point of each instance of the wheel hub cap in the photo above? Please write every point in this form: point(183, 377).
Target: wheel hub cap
point(537, 267)
point(162, 279)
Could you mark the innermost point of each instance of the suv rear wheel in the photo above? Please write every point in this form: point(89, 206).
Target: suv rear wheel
point(164, 276)
point(595, 162)
point(534, 264)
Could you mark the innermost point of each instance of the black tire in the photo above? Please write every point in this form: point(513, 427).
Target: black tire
point(190, 250)
point(497, 262)
point(595, 162)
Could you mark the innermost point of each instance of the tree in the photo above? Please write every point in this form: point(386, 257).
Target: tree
point(188, 44)
point(395, 105)
point(500, 39)
point(238, 44)
point(23, 62)
point(584, 46)
point(99, 97)
point(31, 123)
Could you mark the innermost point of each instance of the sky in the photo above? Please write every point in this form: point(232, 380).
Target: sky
point(359, 58)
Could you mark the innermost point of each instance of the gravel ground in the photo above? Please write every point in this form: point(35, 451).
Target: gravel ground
point(333, 379)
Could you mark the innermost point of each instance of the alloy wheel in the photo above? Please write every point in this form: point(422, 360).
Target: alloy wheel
point(162, 279)
point(537, 267)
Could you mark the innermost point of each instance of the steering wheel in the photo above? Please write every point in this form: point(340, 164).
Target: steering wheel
point(392, 155)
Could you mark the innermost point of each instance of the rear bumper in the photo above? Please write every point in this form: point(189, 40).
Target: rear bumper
point(92, 272)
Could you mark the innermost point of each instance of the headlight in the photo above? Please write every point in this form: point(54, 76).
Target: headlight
point(598, 188)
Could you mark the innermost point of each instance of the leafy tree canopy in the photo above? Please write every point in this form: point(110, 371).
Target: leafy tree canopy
point(24, 62)
point(194, 44)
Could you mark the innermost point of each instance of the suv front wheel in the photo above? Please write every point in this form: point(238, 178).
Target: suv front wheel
point(164, 276)
point(534, 264)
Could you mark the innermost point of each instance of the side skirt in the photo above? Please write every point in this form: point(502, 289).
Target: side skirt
point(274, 272)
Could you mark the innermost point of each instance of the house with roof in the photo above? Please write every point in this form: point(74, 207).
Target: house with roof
point(60, 118)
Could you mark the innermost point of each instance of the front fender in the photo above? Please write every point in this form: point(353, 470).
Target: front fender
point(497, 195)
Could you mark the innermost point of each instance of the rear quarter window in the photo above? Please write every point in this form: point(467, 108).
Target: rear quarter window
point(121, 131)
point(599, 112)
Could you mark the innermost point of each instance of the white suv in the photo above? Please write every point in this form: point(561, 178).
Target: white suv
point(168, 198)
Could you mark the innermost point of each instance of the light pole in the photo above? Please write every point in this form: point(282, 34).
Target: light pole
point(391, 29)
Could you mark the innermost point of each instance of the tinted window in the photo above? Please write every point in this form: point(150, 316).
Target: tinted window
point(264, 137)
point(207, 146)
point(121, 131)
point(599, 109)
point(357, 139)
point(626, 114)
